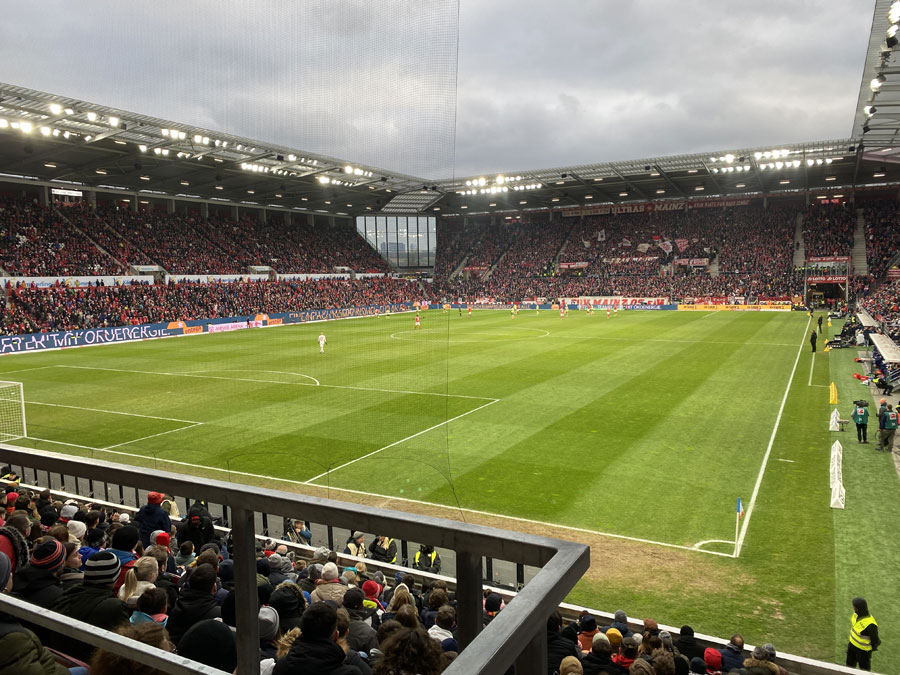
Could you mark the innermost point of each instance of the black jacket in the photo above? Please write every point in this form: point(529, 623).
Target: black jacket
point(383, 554)
point(687, 645)
point(361, 636)
point(559, 646)
point(289, 602)
point(192, 606)
point(199, 531)
point(38, 586)
point(314, 657)
point(732, 658)
point(150, 518)
point(96, 605)
point(595, 664)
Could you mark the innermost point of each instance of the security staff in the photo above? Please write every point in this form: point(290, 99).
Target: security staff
point(863, 636)
point(888, 427)
point(427, 559)
point(861, 417)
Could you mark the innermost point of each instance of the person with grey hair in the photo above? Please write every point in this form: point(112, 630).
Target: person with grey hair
point(620, 623)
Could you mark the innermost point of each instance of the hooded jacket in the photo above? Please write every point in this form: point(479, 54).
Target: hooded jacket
point(361, 636)
point(150, 518)
point(687, 645)
point(759, 667)
point(191, 607)
point(314, 657)
point(197, 528)
point(289, 602)
point(328, 590)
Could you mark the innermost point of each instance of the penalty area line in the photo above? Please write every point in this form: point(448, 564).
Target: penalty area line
point(762, 469)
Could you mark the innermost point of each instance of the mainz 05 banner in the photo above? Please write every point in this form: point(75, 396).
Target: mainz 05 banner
point(32, 342)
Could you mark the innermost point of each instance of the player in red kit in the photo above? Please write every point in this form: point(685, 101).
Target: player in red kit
point(418, 322)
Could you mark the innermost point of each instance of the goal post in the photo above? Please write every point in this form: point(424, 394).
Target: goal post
point(12, 411)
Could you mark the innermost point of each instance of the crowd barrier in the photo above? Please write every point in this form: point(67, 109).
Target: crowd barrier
point(32, 342)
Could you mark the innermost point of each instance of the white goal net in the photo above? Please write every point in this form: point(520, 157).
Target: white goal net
point(12, 411)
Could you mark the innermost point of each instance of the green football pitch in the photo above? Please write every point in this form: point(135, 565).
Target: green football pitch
point(636, 434)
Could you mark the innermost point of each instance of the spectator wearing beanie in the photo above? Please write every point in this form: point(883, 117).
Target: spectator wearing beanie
point(627, 652)
point(20, 649)
point(14, 544)
point(162, 539)
point(759, 663)
point(268, 632)
point(151, 517)
point(329, 586)
point(67, 513)
point(492, 604)
point(570, 666)
point(77, 530)
point(93, 602)
point(194, 604)
point(587, 629)
point(698, 666)
point(49, 518)
point(361, 636)
point(686, 643)
point(39, 582)
point(276, 576)
point(599, 659)
point(373, 591)
point(94, 539)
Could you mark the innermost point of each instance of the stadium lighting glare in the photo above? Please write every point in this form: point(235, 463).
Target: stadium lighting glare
point(50, 165)
point(120, 142)
point(92, 117)
point(500, 179)
point(145, 177)
point(692, 171)
point(877, 81)
point(46, 131)
point(523, 201)
point(25, 127)
point(482, 181)
point(715, 170)
point(55, 108)
point(828, 160)
point(712, 159)
point(462, 206)
point(66, 135)
point(837, 196)
point(621, 194)
point(820, 162)
point(220, 187)
point(795, 163)
point(3, 123)
point(740, 185)
point(205, 140)
point(810, 162)
point(157, 151)
point(830, 177)
point(729, 158)
point(324, 180)
point(164, 132)
point(113, 121)
point(660, 191)
point(779, 165)
point(879, 174)
point(251, 192)
point(348, 169)
point(757, 155)
point(699, 188)
point(784, 182)
point(87, 139)
point(589, 196)
point(870, 110)
point(101, 172)
point(185, 183)
point(198, 139)
point(894, 12)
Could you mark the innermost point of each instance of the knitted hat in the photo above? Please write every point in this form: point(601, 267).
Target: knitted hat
point(492, 603)
point(666, 638)
point(330, 572)
point(49, 556)
point(358, 535)
point(275, 563)
point(94, 537)
point(353, 598)
point(570, 666)
point(68, 511)
point(49, 518)
point(698, 665)
point(262, 567)
point(587, 623)
point(621, 616)
point(155, 498)
point(268, 623)
point(321, 553)
point(101, 569)
point(196, 645)
point(770, 650)
point(124, 518)
point(686, 630)
point(160, 538)
point(651, 625)
point(600, 636)
point(77, 528)
point(614, 637)
point(372, 589)
point(449, 645)
point(759, 653)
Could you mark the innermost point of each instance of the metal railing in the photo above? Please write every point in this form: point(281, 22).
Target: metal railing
point(517, 635)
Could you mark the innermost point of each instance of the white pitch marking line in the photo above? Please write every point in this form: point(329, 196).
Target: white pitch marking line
point(296, 384)
point(112, 412)
point(24, 370)
point(762, 469)
point(697, 546)
point(144, 438)
point(250, 370)
point(402, 440)
point(811, 366)
point(782, 459)
point(47, 440)
point(704, 342)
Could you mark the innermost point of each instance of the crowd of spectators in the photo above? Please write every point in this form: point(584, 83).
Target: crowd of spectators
point(882, 235)
point(37, 241)
point(168, 580)
point(884, 304)
point(828, 229)
point(33, 310)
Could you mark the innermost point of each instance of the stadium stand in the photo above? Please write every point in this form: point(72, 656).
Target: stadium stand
point(882, 235)
point(828, 230)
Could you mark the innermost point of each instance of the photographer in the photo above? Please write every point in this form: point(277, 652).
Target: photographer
point(860, 415)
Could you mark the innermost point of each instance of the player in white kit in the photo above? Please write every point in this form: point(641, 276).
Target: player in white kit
point(322, 343)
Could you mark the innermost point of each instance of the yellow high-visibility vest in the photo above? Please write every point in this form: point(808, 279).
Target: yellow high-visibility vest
point(857, 626)
point(433, 556)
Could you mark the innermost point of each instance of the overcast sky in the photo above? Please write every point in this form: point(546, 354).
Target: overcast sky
point(540, 84)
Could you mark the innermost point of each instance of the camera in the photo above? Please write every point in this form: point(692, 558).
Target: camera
point(864, 404)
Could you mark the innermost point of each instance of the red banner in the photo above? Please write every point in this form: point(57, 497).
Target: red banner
point(893, 273)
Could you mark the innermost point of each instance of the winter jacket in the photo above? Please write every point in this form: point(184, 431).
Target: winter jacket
point(190, 608)
point(328, 590)
point(594, 664)
point(621, 627)
point(197, 528)
point(586, 639)
point(353, 658)
point(732, 658)
point(141, 587)
point(440, 634)
point(22, 653)
point(385, 554)
point(361, 636)
point(96, 605)
point(314, 657)
point(289, 602)
point(150, 518)
point(71, 577)
point(687, 645)
point(127, 560)
point(757, 667)
point(38, 586)
point(559, 646)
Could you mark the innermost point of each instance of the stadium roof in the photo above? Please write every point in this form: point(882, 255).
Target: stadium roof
point(60, 141)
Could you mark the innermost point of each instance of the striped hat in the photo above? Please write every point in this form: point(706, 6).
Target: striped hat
point(102, 569)
point(49, 556)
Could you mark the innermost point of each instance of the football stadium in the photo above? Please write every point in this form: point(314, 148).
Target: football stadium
point(307, 369)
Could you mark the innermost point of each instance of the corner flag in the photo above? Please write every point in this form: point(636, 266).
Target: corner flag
point(740, 509)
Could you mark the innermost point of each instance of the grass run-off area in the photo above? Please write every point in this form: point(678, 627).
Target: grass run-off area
point(647, 425)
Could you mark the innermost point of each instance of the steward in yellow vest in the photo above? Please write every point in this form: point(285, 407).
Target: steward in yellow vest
point(863, 636)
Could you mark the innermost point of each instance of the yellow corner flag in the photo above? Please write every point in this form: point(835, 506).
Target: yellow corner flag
point(832, 391)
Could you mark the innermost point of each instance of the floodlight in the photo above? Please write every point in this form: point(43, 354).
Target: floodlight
point(164, 132)
point(25, 127)
point(729, 158)
point(348, 169)
point(819, 162)
point(757, 155)
point(877, 81)
point(92, 117)
point(56, 132)
point(66, 135)
point(3, 123)
point(894, 12)
point(810, 162)
point(55, 108)
point(482, 181)
point(324, 180)
point(205, 140)
point(870, 110)
point(113, 121)
point(145, 177)
point(500, 179)
point(828, 160)
point(46, 131)
point(291, 158)
point(795, 163)
point(69, 111)
point(779, 165)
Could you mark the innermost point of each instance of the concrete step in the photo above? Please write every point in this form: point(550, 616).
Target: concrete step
point(858, 254)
